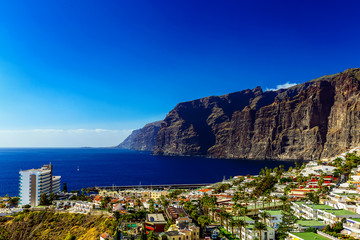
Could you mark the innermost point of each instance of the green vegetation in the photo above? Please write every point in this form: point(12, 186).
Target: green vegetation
point(174, 194)
point(334, 230)
point(287, 223)
point(222, 188)
point(266, 183)
point(50, 225)
point(309, 236)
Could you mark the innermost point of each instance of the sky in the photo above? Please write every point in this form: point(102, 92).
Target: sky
point(86, 73)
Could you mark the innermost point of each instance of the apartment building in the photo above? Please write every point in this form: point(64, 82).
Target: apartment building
point(336, 215)
point(274, 217)
point(308, 211)
point(352, 227)
point(250, 233)
point(34, 182)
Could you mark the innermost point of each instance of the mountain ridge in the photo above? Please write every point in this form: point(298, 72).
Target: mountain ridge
point(143, 139)
point(302, 122)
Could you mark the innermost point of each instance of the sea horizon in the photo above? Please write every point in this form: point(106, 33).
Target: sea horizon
point(112, 166)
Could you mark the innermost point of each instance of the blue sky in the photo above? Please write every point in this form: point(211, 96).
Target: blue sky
point(98, 69)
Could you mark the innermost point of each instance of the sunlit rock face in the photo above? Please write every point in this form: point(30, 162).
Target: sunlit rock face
point(319, 118)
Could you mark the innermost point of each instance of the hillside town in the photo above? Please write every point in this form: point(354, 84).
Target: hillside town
point(315, 200)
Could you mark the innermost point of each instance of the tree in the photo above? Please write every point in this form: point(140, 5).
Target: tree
point(143, 233)
point(203, 221)
point(152, 236)
point(65, 189)
point(240, 224)
point(194, 215)
point(232, 225)
point(311, 229)
point(259, 226)
point(264, 215)
point(117, 235)
point(116, 215)
point(70, 237)
point(14, 201)
point(43, 200)
point(52, 197)
point(222, 216)
point(314, 197)
point(284, 202)
point(227, 217)
point(104, 203)
point(266, 183)
point(286, 224)
point(243, 212)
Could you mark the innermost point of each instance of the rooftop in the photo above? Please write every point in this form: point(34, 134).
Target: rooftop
point(340, 212)
point(274, 212)
point(354, 219)
point(247, 219)
point(309, 236)
point(310, 223)
point(155, 218)
point(320, 206)
point(172, 233)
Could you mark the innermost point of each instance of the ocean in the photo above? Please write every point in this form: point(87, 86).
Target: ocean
point(89, 167)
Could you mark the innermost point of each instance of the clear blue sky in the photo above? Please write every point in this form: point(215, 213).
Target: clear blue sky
point(116, 65)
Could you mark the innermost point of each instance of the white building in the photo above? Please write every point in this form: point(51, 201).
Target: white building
point(34, 182)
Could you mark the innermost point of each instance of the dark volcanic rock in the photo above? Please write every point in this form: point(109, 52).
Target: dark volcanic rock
point(319, 118)
point(143, 139)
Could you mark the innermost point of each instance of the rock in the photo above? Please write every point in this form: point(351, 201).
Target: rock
point(319, 118)
point(143, 139)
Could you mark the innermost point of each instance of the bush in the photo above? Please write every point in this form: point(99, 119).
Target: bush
point(70, 237)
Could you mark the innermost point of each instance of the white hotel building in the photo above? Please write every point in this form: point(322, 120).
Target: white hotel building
point(34, 182)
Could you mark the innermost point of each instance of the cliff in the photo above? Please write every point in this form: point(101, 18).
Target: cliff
point(143, 139)
point(319, 118)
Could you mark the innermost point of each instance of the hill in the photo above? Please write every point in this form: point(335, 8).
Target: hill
point(50, 225)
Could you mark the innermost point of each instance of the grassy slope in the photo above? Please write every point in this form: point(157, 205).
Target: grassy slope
point(48, 225)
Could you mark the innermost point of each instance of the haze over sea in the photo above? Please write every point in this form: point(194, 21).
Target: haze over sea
point(105, 167)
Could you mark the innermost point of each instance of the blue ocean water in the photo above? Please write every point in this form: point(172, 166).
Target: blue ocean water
point(105, 167)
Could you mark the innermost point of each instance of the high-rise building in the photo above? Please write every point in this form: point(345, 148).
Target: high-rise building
point(34, 182)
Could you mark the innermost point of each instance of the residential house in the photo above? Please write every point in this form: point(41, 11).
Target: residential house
point(155, 222)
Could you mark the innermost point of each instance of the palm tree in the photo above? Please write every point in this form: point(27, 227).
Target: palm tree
point(232, 225)
point(243, 212)
point(203, 221)
point(284, 200)
point(152, 236)
point(240, 224)
point(227, 217)
point(213, 211)
point(138, 203)
point(264, 215)
point(259, 226)
point(221, 215)
point(254, 199)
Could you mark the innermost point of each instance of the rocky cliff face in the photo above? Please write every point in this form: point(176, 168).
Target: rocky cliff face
point(319, 118)
point(143, 139)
